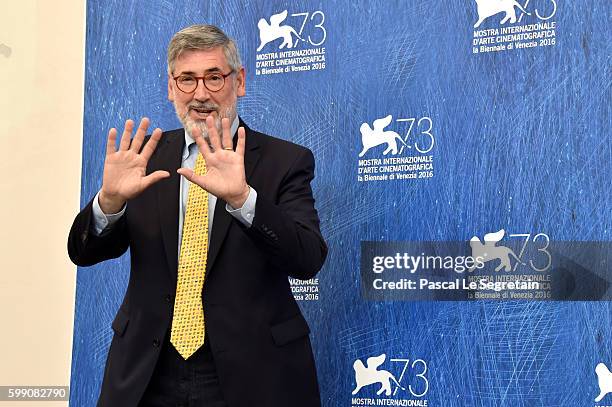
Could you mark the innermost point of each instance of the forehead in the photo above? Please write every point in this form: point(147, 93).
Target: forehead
point(201, 61)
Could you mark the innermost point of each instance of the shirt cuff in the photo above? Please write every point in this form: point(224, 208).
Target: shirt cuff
point(101, 220)
point(247, 212)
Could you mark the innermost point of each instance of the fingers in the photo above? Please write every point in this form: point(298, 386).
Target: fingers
point(241, 141)
point(149, 148)
point(111, 145)
point(227, 136)
point(213, 134)
point(154, 177)
point(134, 145)
point(127, 135)
point(140, 135)
point(202, 144)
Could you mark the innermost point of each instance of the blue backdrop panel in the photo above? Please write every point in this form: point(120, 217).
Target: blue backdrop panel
point(518, 138)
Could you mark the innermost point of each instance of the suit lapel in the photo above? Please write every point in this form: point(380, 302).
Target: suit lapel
point(169, 158)
point(223, 219)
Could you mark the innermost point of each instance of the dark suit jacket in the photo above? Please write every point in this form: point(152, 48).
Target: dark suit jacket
point(257, 333)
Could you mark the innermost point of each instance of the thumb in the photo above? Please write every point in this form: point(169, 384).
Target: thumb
point(193, 177)
point(186, 172)
point(154, 177)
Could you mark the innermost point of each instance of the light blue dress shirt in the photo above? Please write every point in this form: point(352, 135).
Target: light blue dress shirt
point(103, 222)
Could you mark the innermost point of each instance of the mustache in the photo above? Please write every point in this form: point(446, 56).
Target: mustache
point(204, 106)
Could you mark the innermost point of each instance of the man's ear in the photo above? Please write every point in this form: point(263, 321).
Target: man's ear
point(170, 88)
point(241, 82)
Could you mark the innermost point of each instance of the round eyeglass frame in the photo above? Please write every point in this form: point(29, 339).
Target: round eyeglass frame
point(203, 78)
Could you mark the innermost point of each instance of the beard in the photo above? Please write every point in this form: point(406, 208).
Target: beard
point(189, 123)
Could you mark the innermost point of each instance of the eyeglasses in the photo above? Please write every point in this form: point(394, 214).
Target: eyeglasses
point(214, 82)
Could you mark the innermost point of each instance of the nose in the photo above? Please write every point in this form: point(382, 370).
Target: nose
point(201, 92)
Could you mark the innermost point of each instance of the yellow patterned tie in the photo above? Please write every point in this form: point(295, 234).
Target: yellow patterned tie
point(187, 333)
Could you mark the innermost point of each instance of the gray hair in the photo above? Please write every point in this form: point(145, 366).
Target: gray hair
point(203, 37)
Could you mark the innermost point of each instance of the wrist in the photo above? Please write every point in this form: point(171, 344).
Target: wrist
point(109, 204)
point(238, 201)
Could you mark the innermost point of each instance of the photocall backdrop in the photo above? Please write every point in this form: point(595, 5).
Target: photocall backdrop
point(433, 124)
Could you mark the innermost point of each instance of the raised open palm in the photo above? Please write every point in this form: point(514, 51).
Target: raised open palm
point(125, 168)
point(225, 177)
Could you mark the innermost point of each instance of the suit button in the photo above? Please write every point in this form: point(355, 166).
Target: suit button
point(168, 298)
point(156, 343)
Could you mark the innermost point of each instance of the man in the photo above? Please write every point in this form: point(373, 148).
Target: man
point(208, 318)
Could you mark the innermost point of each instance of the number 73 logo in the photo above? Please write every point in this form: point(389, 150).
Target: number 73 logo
point(270, 32)
point(370, 373)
